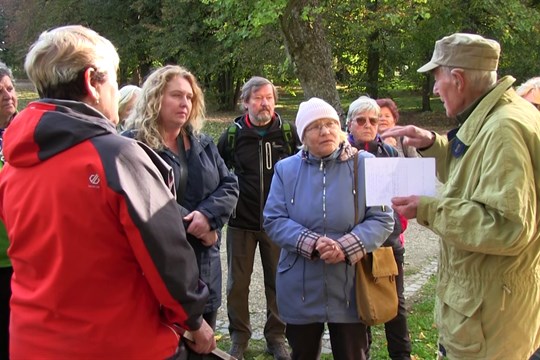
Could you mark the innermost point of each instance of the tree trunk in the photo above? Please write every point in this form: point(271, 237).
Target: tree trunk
point(426, 91)
point(226, 88)
point(310, 52)
point(373, 56)
point(373, 64)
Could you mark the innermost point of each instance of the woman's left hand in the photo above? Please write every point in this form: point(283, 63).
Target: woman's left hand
point(329, 250)
point(209, 239)
point(198, 224)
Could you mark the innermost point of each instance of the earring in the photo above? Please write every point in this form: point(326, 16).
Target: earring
point(97, 102)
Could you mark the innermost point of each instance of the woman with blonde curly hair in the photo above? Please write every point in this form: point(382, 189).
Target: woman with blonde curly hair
point(168, 117)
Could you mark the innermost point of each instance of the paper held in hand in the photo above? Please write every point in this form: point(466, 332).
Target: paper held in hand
point(390, 177)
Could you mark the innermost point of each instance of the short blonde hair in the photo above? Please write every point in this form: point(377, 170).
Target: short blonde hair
point(58, 59)
point(126, 93)
point(144, 118)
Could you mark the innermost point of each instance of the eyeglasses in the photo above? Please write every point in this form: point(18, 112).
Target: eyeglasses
point(361, 121)
point(330, 125)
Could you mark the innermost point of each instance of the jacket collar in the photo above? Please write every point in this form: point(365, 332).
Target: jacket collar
point(478, 117)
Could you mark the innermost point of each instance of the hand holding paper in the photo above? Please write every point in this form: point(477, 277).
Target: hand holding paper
point(406, 206)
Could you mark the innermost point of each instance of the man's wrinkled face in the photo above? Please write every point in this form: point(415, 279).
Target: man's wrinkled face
point(446, 87)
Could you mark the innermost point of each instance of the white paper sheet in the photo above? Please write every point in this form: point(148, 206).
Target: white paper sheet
point(389, 177)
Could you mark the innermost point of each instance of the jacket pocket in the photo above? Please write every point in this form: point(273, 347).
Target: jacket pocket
point(286, 261)
point(459, 317)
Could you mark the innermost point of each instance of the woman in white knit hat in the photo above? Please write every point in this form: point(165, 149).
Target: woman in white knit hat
point(310, 214)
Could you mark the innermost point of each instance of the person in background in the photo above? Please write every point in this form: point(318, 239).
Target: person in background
point(126, 103)
point(388, 119)
point(101, 269)
point(169, 117)
point(530, 91)
point(310, 214)
point(363, 120)
point(487, 214)
point(8, 103)
point(252, 146)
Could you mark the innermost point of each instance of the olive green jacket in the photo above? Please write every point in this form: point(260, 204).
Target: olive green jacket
point(488, 298)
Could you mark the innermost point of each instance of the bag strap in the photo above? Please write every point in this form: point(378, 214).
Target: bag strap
point(231, 141)
point(287, 136)
point(182, 171)
point(355, 189)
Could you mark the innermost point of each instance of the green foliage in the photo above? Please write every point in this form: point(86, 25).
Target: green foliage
point(224, 42)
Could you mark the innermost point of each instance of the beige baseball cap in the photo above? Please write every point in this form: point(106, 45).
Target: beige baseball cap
point(466, 51)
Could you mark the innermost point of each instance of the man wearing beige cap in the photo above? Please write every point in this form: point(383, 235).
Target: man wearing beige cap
point(487, 214)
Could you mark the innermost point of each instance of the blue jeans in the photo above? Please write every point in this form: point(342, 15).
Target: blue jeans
point(536, 355)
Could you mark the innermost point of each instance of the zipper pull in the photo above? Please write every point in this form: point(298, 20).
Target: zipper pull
point(506, 290)
point(321, 166)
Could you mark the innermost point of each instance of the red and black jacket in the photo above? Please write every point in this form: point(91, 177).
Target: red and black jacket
point(102, 267)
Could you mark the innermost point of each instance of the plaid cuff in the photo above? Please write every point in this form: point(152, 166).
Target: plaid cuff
point(353, 248)
point(306, 243)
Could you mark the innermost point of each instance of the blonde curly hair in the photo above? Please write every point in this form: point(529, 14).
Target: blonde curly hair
point(144, 117)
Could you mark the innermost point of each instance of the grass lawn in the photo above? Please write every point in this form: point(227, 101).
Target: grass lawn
point(422, 331)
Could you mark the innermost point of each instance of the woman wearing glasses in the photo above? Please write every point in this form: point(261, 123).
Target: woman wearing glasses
point(388, 119)
point(363, 121)
point(310, 214)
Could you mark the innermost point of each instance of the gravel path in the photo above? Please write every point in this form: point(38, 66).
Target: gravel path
point(421, 247)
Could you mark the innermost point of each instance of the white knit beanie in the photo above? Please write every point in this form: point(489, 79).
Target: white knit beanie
point(312, 110)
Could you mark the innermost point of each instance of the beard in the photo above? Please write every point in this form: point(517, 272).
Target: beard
point(262, 117)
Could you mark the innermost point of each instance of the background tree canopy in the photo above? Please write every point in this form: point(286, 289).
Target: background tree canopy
point(367, 46)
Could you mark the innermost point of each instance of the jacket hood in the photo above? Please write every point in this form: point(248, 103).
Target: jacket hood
point(47, 127)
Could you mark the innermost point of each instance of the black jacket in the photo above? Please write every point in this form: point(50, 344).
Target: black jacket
point(253, 161)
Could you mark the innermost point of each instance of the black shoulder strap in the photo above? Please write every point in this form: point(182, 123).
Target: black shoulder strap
point(182, 171)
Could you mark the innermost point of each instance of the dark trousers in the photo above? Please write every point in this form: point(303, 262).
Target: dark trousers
point(241, 247)
point(349, 341)
point(5, 296)
point(397, 331)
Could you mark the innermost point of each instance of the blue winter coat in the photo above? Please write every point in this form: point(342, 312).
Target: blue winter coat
point(299, 209)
